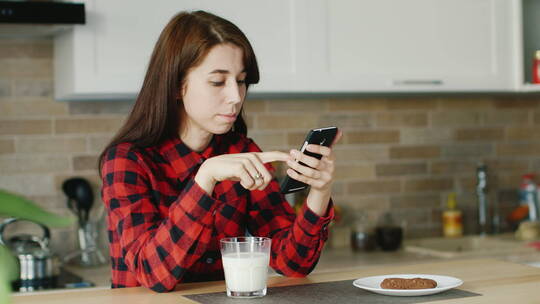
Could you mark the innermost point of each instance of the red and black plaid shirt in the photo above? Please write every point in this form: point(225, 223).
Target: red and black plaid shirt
point(164, 229)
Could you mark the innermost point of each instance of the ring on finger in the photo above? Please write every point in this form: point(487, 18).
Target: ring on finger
point(258, 175)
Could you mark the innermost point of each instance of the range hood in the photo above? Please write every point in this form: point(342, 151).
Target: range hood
point(38, 18)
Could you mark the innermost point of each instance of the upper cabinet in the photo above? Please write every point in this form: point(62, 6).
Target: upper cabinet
point(311, 46)
point(414, 45)
point(107, 58)
point(527, 43)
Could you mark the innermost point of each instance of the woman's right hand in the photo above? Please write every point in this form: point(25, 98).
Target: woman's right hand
point(248, 168)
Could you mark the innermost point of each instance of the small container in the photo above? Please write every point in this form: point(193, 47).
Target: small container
point(388, 235)
point(528, 231)
point(452, 218)
point(536, 68)
point(362, 235)
point(529, 195)
point(389, 238)
point(363, 241)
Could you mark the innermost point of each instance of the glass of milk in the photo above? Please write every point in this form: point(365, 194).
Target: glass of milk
point(245, 263)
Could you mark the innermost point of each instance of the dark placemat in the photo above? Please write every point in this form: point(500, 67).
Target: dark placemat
point(329, 292)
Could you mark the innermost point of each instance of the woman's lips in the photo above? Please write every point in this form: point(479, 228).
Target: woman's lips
point(228, 117)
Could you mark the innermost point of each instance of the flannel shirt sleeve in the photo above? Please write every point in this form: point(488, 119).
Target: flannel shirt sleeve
point(157, 250)
point(297, 240)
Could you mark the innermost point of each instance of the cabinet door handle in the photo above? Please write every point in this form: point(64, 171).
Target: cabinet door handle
point(405, 82)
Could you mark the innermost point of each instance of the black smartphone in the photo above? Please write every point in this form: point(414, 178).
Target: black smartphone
point(323, 137)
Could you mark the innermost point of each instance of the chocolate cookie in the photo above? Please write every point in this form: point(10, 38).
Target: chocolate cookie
point(415, 283)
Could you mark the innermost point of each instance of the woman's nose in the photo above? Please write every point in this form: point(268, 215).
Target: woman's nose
point(234, 93)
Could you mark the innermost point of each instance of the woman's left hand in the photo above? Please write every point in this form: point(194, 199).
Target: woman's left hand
point(319, 174)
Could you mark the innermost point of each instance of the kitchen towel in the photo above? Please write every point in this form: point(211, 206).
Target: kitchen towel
point(328, 292)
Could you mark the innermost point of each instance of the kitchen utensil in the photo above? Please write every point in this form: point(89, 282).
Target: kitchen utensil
point(79, 190)
point(90, 254)
point(80, 201)
point(38, 267)
point(37, 264)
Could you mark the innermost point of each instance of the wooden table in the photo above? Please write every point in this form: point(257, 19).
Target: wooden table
point(497, 281)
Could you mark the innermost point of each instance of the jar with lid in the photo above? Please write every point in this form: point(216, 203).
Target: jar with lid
point(388, 234)
point(362, 234)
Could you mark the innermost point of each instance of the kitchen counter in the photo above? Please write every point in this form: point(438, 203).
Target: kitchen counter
point(332, 259)
point(497, 281)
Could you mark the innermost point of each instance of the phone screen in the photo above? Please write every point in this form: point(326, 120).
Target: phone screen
point(323, 137)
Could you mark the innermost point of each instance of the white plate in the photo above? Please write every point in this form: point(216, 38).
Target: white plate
point(373, 284)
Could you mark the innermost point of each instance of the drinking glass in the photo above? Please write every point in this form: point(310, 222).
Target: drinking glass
point(245, 263)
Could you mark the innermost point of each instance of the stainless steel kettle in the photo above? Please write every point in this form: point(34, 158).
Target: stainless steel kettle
point(36, 261)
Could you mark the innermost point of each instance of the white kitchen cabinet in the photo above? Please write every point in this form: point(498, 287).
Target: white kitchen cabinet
point(107, 57)
point(415, 45)
point(527, 43)
point(309, 46)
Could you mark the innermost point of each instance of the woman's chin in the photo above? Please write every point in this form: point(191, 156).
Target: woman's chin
point(222, 129)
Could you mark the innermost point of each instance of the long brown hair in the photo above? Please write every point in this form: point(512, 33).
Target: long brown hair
point(183, 44)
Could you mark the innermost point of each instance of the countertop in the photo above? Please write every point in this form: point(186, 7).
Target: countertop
point(334, 259)
point(497, 281)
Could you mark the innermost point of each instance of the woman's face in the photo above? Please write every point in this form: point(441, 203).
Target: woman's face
point(214, 91)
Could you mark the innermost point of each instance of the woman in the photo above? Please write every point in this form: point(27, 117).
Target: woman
point(181, 173)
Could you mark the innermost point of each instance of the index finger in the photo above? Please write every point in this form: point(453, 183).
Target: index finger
point(272, 156)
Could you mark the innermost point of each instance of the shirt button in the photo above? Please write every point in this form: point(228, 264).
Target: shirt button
point(209, 261)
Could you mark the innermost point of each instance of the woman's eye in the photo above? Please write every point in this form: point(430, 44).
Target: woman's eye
point(221, 83)
point(217, 83)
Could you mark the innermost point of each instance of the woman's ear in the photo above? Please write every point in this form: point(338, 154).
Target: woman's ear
point(181, 92)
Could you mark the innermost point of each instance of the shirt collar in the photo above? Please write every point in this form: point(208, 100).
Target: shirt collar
point(184, 160)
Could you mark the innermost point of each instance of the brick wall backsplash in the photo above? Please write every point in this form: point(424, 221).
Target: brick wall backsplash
point(401, 155)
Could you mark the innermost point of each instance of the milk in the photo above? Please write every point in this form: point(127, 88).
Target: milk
point(246, 271)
